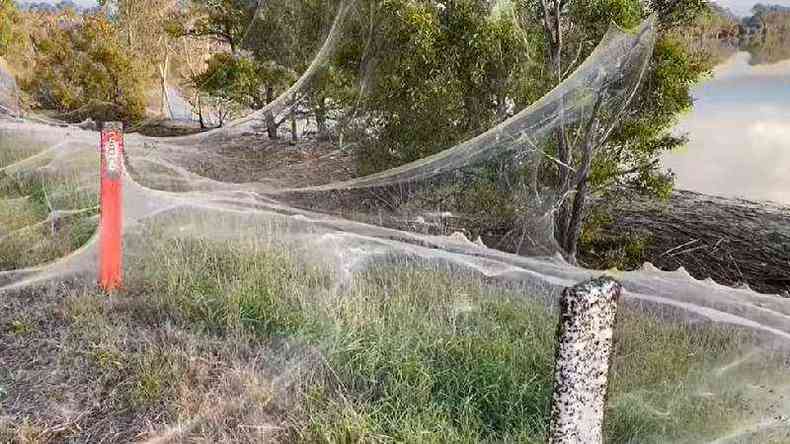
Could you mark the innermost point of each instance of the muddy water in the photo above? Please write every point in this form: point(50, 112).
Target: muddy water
point(739, 133)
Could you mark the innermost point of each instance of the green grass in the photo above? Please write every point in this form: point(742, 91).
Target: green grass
point(414, 355)
point(44, 215)
point(224, 337)
point(28, 236)
point(16, 146)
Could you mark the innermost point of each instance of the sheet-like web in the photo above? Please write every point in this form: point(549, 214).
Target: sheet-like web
point(405, 213)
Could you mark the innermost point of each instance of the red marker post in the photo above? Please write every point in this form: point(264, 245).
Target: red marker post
point(111, 217)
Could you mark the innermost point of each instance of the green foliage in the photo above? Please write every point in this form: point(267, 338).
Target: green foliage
point(631, 156)
point(8, 16)
point(27, 237)
point(447, 74)
point(269, 43)
point(84, 65)
point(20, 327)
point(224, 20)
point(434, 76)
point(242, 80)
point(256, 292)
point(770, 44)
point(439, 361)
point(415, 355)
point(603, 251)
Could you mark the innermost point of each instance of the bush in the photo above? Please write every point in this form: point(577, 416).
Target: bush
point(8, 17)
point(82, 66)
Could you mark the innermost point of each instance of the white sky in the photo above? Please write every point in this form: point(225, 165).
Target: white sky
point(744, 7)
point(79, 2)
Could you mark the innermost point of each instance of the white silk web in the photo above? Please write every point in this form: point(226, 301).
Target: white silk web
point(175, 187)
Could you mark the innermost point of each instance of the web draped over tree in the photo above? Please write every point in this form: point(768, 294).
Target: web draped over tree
point(420, 208)
point(446, 208)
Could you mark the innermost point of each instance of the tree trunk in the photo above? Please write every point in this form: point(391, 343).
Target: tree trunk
point(271, 125)
point(574, 215)
point(552, 27)
point(320, 117)
point(574, 229)
point(294, 135)
point(165, 109)
point(200, 112)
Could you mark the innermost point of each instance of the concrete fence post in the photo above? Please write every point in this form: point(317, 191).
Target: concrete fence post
point(581, 369)
point(111, 206)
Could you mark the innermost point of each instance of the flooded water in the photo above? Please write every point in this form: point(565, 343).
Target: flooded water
point(739, 133)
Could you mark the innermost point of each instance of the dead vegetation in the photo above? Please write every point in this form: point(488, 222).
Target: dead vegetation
point(732, 241)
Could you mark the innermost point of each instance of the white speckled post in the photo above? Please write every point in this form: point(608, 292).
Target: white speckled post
point(581, 369)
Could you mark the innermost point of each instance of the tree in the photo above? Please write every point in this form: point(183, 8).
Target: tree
point(269, 43)
point(426, 76)
point(627, 153)
point(245, 81)
point(149, 29)
point(8, 18)
point(226, 21)
point(429, 75)
point(81, 63)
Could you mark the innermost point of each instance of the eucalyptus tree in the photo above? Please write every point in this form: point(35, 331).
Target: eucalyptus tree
point(147, 29)
point(85, 67)
point(7, 12)
point(419, 76)
point(624, 152)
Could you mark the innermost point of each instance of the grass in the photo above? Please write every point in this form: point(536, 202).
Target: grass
point(241, 342)
point(400, 354)
point(236, 343)
point(31, 230)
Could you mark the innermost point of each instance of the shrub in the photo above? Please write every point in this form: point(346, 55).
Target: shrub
point(83, 67)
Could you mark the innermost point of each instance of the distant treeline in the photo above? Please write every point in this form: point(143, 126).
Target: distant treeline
point(765, 34)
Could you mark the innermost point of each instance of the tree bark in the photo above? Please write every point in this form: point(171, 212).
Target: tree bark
point(200, 112)
point(165, 109)
point(575, 212)
point(271, 125)
point(294, 135)
point(575, 221)
point(552, 26)
point(320, 116)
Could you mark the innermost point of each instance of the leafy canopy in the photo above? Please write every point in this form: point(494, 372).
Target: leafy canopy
point(243, 80)
point(83, 64)
point(8, 19)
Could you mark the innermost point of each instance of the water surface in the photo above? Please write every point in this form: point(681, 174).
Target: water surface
point(739, 133)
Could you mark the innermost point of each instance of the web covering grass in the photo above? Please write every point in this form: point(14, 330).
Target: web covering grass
point(409, 354)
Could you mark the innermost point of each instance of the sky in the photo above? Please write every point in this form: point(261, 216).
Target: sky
point(743, 7)
point(79, 2)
